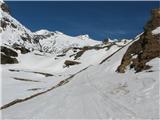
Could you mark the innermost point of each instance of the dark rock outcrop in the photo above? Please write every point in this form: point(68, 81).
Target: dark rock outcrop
point(5, 8)
point(21, 48)
point(7, 59)
point(40, 37)
point(3, 24)
point(8, 55)
point(8, 51)
point(144, 49)
point(70, 63)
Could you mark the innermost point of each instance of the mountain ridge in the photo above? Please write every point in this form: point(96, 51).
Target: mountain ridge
point(18, 37)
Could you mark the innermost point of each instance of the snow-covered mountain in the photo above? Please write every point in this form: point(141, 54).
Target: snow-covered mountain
point(57, 76)
point(15, 35)
point(13, 32)
point(19, 39)
point(57, 42)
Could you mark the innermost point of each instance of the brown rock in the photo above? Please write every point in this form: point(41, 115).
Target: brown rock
point(7, 59)
point(146, 48)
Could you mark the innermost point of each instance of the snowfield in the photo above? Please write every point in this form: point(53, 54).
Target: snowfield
point(30, 72)
point(95, 92)
point(58, 76)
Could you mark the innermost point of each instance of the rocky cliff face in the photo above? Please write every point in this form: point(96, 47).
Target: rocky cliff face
point(144, 49)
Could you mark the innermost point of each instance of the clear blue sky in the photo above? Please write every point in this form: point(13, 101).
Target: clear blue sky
point(98, 19)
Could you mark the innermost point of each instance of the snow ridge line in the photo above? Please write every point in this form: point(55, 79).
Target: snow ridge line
point(115, 52)
point(63, 82)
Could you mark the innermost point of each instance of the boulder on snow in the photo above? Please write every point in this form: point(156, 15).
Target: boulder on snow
point(70, 63)
point(144, 49)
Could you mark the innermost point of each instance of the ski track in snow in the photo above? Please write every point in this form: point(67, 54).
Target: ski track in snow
point(113, 105)
point(40, 93)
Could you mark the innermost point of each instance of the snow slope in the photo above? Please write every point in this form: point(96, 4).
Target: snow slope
point(13, 31)
point(41, 86)
point(97, 92)
point(29, 75)
point(47, 63)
